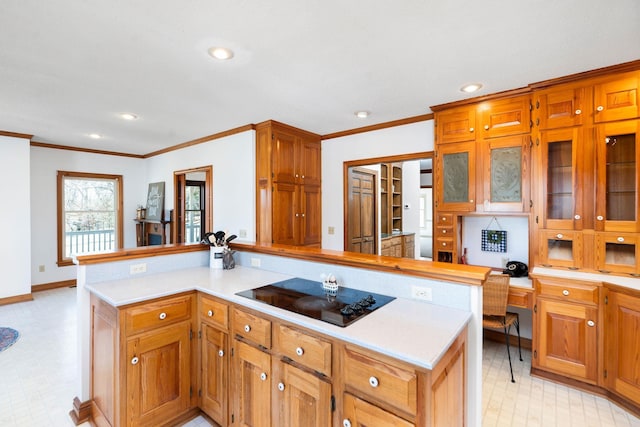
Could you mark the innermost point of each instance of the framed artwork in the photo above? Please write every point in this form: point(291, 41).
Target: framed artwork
point(155, 201)
point(494, 240)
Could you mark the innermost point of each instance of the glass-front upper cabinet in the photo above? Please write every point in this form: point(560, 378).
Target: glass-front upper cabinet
point(455, 177)
point(617, 158)
point(562, 201)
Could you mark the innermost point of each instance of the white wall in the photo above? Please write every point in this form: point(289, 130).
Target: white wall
point(517, 229)
point(234, 183)
point(406, 139)
point(45, 163)
point(411, 200)
point(15, 254)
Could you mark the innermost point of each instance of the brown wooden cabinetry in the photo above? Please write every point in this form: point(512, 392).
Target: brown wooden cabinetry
point(155, 360)
point(503, 117)
point(288, 174)
point(390, 197)
point(622, 344)
point(566, 325)
point(399, 245)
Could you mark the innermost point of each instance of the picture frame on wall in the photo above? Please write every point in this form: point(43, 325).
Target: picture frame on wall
point(155, 201)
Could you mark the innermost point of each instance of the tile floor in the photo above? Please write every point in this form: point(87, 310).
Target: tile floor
point(38, 377)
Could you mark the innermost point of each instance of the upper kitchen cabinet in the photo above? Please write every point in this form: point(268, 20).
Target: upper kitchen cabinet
point(288, 178)
point(456, 125)
point(455, 177)
point(503, 117)
point(617, 158)
point(616, 98)
point(505, 174)
point(560, 107)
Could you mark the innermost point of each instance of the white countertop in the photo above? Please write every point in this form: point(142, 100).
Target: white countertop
point(409, 330)
point(624, 281)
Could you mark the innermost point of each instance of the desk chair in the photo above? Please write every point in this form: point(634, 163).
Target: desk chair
point(495, 293)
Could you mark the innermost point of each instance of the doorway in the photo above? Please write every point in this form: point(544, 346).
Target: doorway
point(193, 203)
point(362, 229)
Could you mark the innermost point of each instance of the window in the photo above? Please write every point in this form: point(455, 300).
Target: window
point(89, 214)
point(194, 211)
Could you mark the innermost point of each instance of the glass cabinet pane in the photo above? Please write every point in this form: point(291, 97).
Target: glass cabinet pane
point(561, 250)
point(621, 177)
point(506, 174)
point(560, 180)
point(456, 177)
point(620, 254)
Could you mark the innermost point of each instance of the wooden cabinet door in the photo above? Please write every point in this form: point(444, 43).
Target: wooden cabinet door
point(158, 378)
point(359, 413)
point(560, 248)
point(310, 216)
point(504, 117)
point(617, 99)
point(214, 374)
point(561, 189)
point(456, 125)
point(302, 399)
point(309, 160)
point(617, 177)
point(566, 339)
point(285, 208)
point(361, 219)
point(623, 345)
point(505, 173)
point(618, 252)
point(284, 156)
point(560, 107)
point(252, 399)
point(455, 177)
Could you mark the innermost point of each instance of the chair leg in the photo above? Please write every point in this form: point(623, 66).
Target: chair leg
point(518, 331)
point(506, 336)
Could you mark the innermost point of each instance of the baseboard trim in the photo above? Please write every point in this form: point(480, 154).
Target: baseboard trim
point(16, 298)
point(81, 411)
point(53, 285)
point(513, 339)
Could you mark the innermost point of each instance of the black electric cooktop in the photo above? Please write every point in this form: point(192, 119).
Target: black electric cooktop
point(308, 298)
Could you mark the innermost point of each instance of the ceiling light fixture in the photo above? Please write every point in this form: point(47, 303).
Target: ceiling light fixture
point(95, 136)
point(362, 114)
point(128, 116)
point(221, 53)
point(470, 88)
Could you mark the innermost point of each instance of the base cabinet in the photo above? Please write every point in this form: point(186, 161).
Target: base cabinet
point(360, 413)
point(252, 391)
point(623, 346)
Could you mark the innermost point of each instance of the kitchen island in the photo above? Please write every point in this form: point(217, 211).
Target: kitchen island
point(406, 360)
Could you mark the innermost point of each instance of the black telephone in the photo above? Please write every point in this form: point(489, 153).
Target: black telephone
point(516, 269)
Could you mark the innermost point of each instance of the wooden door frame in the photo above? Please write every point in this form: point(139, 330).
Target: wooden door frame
point(179, 180)
point(363, 162)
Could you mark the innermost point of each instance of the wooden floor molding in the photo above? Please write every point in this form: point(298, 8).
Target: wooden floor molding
point(81, 411)
point(53, 285)
point(16, 298)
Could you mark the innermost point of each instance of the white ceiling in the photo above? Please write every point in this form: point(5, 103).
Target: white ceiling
point(69, 67)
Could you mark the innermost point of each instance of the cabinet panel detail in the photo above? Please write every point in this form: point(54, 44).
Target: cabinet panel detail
point(506, 174)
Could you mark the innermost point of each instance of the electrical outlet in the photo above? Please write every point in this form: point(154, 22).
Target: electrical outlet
point(243, 233)
point(138, 268)
point(332, 230)
point(255, 262)
point(41, 268)
point(418, 292)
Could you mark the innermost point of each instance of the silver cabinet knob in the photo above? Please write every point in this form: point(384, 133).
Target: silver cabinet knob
point(471, 129)
point(299, 351)
point(263, 376)
point(565, 292)
point(210, 313)
point(297, 215)
point(302, 177)
point(471, 201)
point(578, 112)
point(620, 239)
point(600, 218)
point(444, 231)
point(220, 353)
point(297, 176)
point(486, 127)
point(247, 328)
point(373, 382)
point(599, 108)
point(281, 386)
point(591, 323)
point(577, 216)
point(135, 360)
point(444, 244)
point(302, 215)
point(346, 423)
point(163, 316)
point(559, 235)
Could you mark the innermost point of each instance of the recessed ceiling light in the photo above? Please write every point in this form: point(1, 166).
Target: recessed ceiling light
point(128, 116)
point(470, 88)
point(95, 136)
point(362, 114)
point(221, 53)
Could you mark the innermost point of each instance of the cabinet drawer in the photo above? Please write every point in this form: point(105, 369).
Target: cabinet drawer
point(380, 380)
point(444, 220)
point(580, 292)
point(310, 351)
point(444, 231)
point(157, 313)
point(444, 243)
point(214, 312)
point(386, 243)
point(253, 328)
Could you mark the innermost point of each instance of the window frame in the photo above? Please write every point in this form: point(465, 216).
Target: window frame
point(61, 175)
